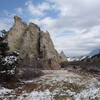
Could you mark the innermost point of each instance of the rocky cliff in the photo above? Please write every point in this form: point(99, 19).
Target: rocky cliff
point(16, 33)
point(31, 42)
point(47, 49)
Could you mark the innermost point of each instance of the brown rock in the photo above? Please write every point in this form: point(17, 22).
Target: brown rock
point(33, 44)
point(47, 49)
point(24, 39)
point(48, 64)
point(63, 57)
point(15, 34)
point(30, 43)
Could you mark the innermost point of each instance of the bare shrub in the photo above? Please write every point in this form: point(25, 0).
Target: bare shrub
point(29, 73)
point(28, 70)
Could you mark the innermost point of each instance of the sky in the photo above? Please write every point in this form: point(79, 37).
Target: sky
point(74, 25)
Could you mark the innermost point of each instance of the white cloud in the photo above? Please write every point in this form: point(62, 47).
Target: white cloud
point(81, 17)
point(38, 10)
point(6, 23)
point(44, 6)
point(33, 10)
point(19, 10)
point(79, 43)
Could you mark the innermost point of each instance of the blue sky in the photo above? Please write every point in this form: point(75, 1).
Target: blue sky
point(74, 25)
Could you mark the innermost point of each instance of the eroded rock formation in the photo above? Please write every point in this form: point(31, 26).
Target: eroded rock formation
point(16, 33)
point(47, 49)
point(63, 58)
point(31, 42)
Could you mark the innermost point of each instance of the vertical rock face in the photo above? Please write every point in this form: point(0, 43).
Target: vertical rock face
point(63, 57)
point(16, 33)
point(47, 49)
point(31, 42)
point(24, 39)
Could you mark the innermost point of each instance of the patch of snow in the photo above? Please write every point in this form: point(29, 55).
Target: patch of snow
point(2, 72)
point(10, 59)
point(57, 81)
point(35, 95)
point(4, 91)
point(70, 59)
point(88, 94)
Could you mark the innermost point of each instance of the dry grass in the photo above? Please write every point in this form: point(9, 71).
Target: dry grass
point(58, 84)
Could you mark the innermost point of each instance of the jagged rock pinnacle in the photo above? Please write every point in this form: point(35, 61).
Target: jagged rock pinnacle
point(16, 18)
point(31, 42)
point(63, 57)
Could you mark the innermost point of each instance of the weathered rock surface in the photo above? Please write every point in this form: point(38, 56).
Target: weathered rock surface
point(16, 33)
point(47, 49)
point(31, 42)
point(63, 57)
point(48, 64)
point(24, 39)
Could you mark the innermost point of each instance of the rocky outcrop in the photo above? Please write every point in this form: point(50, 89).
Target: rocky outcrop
point(47, 49)
point(16, 33)
point(31, 42)
point(24, 39)
point(63, 58)
point(49, 64)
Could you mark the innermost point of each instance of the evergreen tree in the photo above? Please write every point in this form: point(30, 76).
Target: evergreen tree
point(8, 60)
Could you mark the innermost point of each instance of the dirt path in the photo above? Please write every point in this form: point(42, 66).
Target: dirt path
point(60, 85)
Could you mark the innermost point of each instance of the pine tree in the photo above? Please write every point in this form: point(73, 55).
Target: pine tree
point(8, 60)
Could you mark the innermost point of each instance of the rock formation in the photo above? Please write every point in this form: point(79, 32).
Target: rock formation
point(63, 57)
point(24, 39)
point(31, 42)
point(47, 49)
point(16, 33)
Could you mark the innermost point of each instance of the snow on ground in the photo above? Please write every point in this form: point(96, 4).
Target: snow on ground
point(62, 85)
point(4, 91)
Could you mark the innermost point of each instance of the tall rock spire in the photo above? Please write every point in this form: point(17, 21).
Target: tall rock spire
point(31, 42)
point(16, 33)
